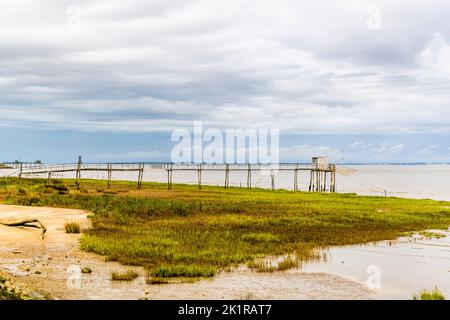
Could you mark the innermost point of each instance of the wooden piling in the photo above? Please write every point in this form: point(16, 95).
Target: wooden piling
point(249, 176)
point(311, 181)
point(199, 176)
point(296, 178)
point(227, 176)
point(333, 178)
point(272, 178)
point(78, 174)
point(169, 176)
point(21, 170)
point(109, 166)
point(140, 175)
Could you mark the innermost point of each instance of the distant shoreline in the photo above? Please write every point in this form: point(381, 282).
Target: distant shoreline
point(2, 166)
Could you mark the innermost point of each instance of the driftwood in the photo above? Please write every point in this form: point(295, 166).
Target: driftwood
point(32, 223)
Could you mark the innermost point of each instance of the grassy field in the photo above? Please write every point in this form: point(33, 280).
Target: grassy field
point(190, 233)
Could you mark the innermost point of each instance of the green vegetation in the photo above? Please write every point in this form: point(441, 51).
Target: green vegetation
point(272, 265)
point(248, 296)
point(185, 232)
point(124, 276)
point(431, 235)
point(435, 294)
point(72, 227)
point(189, 271)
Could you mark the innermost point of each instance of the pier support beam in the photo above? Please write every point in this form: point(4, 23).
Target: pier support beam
point(78, 174)
point(199, 176)
point(272, 179)
point(169, 176)
point(296, 178)
point(227, 176)
point(249, 176)
point(140, 175)
point(109, 166)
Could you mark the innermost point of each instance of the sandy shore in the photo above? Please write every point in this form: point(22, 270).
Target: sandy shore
point(52, 267)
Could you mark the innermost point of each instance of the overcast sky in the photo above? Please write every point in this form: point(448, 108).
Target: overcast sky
point(358, 80)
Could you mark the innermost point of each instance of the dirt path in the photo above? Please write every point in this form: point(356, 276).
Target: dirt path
point(52, 267)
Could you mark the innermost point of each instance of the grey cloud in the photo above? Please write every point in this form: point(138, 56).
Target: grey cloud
point(309, 66)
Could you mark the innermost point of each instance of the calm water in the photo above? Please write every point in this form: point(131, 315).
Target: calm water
point(409, 181)
point(393, 269)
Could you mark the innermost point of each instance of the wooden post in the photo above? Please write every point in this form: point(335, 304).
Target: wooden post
point(320, 180)
point(227, 176)
point(199, 176)
point(333, 177)
point(78, 175)
point(317, 180)
point(141, 175)
point(169, 177)
point(272, 178)
point(296, 178)
point(21, 169)
point(249, 176)
point(109, 166)
point(311, 180)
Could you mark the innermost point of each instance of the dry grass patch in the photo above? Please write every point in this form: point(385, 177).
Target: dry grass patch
point(129, 275)
point(72, 227)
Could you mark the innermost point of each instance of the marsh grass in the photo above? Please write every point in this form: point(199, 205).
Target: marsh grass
point(188, 271)
point(262, 266)
point(248, 296)
point(288, 263)
point(272, 265)
point(154, 281)
point(434, 294)
point(129, 275)
point(185, 232)
point(72, 227)
point(431, 235)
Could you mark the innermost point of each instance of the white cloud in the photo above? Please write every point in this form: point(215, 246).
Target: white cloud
point(301, 66)
point(305, 152)
point(436, 56)
point(129, 156)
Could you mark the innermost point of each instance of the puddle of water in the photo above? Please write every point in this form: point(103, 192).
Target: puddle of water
point(392, 269)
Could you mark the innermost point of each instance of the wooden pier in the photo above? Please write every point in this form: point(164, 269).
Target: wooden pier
point(322, 176)
point(80, 167)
